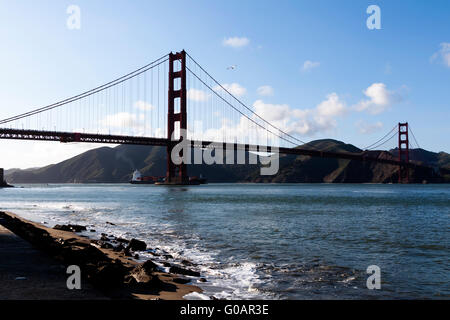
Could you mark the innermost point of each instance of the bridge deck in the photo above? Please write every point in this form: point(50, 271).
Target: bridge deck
point(67, 137)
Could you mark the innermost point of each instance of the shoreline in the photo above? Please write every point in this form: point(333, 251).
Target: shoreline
point(112, 272)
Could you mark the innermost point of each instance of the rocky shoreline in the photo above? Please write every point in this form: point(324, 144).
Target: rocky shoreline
point(108, 263)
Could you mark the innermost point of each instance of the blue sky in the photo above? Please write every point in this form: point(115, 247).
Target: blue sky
point(403, 66)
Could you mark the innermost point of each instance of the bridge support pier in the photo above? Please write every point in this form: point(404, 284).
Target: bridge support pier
point(403, 152)
point(176, 174)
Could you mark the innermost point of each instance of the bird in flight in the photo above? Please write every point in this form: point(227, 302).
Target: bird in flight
point(232, 67)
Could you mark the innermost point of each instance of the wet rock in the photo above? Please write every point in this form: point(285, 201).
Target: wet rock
point(181, 280)
point(110, 223)
point(119, 248)
point(106, 245)
point(136, 256)
point(149, 266)
point(92, 230)
point(122, 240)
point(187, 263)
point(187, 272)
point(137, 245)
point(168, 256)
point(127, 252)
point(167, 265)
point(70, 227)
point(202, 280)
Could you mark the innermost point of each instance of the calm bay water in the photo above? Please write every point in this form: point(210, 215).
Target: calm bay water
point(271, 241)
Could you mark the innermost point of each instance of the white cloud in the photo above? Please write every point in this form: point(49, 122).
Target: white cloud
point(265, 91)
point(303, 121)
point(236, 42)
point(367, 128)
point(331, 107)
point(443, 54)
point(308, 65)
point(143, 106)
point(197, 95)
point(234, 88)
point(122, 119)
point(380, 99)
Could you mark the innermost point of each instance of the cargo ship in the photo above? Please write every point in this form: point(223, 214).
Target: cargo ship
point(138, 178)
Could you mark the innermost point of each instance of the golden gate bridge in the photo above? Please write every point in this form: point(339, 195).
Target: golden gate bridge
point(150, 105)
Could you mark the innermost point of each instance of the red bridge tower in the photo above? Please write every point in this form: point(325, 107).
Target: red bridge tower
point(176, 174)
point(403, 152)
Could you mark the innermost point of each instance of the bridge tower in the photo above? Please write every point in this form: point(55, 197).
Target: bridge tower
point(176, 174)
point(403, 152)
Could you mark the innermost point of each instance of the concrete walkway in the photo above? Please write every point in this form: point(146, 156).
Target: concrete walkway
point(26, 273)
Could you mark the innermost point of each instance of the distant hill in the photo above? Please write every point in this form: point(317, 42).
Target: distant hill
point(115, 165)
point(425, 157)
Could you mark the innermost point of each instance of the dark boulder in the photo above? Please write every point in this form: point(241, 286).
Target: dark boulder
point(181, 280)
point(149, 266)
point(187, 272)
point(137, 245)
point(70, 227)
point(109, 275)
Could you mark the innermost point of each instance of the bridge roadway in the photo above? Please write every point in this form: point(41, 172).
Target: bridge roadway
point(67, 137)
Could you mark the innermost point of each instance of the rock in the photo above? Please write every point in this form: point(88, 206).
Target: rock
point(202, 280)
point(149, 266)
point(109, 275)
point(92, 230)
point(127, 252)
point(119, 248)
point(167, 265)
point(136, 256)
point(122, 240)
point(110, 223)
point(82, 255)
point(178, 270)
point(187, 263)
point(130, 281)
point(137, 245)
point(145, 277)
point(181, 280)
point(70, 227)
point(106, 245)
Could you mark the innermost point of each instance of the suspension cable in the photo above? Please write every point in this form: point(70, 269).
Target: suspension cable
point(244, 105)
point(383, 143)
point(223, 99)
point(89, 92)
point(410, 129)
point(371, 146)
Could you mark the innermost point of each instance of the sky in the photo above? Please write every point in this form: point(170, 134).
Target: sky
point(313, 67)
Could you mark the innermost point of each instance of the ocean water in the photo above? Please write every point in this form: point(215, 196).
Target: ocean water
point(270, 241)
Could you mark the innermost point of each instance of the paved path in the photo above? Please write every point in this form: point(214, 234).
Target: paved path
point(26, 273)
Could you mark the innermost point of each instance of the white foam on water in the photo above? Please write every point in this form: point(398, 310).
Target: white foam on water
point(196, 296)
point(225, 280)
